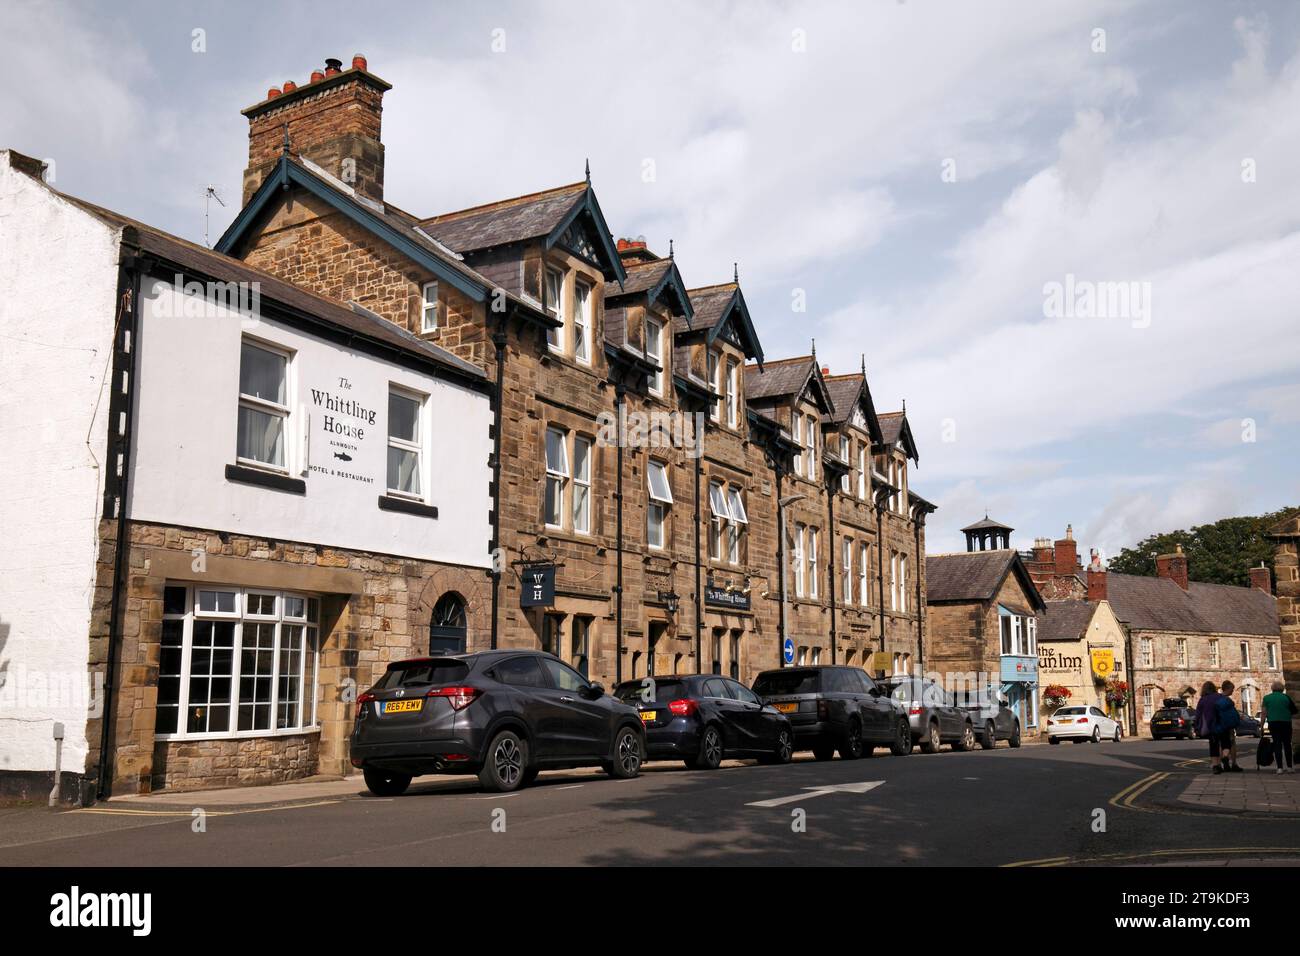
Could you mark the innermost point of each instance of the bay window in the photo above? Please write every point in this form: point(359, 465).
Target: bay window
point(263, 405)
point(236, 662)
point(405, 443)
point(661, 500)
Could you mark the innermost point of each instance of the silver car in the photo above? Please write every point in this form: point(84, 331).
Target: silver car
point(932, 714)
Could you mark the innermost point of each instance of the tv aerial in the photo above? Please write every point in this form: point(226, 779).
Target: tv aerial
point(209, 193)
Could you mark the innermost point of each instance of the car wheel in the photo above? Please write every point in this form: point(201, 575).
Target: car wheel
point(990, 738)
point(784, 746)
point(506, 764)
point(1117, 734)
point(967, 740)
point(1096, 735)
point(930, 739)
point(711, 752)
point(851, 749)
point(627, 755)
point(383, 784)
point(902, 745)
point(1053, 740)
point(823, 752)
point(1015, 736)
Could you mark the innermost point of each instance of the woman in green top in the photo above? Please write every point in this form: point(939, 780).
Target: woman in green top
point(1279, 708)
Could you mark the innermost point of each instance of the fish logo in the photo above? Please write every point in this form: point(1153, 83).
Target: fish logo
point(342, 456)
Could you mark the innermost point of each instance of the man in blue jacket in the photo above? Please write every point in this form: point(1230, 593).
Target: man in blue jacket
point(1227, 719)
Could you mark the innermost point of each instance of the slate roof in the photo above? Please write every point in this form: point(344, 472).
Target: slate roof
point(891, 426)
point(779, 379)
point(974, 575)
point(710, 305)
point(987, 522)
point(642, 276)
point(221, 267)
point(1065, 620)
point(844, 391)
point(506, 221)
point(1158, 604)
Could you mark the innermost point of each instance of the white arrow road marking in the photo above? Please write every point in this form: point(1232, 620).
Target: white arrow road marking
point(821, 791)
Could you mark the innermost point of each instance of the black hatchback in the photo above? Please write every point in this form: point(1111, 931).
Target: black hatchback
point(504, 715)
point(703, 719)
point(836, 708)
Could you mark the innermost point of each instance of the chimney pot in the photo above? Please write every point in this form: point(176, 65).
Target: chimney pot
point(826, 370)
point(317, 75)
point(290, 86)
point(358, 61)
point(333, 66)
point(273, 92)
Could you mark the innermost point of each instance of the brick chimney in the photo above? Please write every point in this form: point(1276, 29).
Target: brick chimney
point(1067, 553)
point(633, 251)
point(1261, 579)
point(333, 121)
point(1096, 578)
point(1173, 566)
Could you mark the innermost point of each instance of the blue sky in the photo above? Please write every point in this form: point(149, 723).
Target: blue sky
point(810, 142)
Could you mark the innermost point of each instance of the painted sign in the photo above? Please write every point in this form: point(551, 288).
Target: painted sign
point(1018, 669)
point(721, 597)
point(538, 585)
point(340, 426)
point(1103, 662)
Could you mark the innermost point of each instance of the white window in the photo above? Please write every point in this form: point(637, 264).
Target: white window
point(893, 580)
point(236, 663)
point(902, 583)
point(555, 306)
point(812, 436)
point(739, 522)
point(801, 532)
point(1146, 652)
point(733, 394)
point(1148, 702)
point(846, 569)
point(798, 444)
point(1180, 647)
point(405, 443)
point(654, 351)
point(1272, 656)
point(1245, 654)
point(1017, 634)
point(816, 656)
point(429, 307)
point(581, 484)
point(1214, 652)
point(1004, 624)
point(661, 499)
point(864, 586)
point(718, 523)
point(715, 386)
point(582, 321)
point(814, 572)
point(557, 476)
point(1031, 636)
point(803, 656)
point(263, 405)
point(862, 470)
point(844, 457)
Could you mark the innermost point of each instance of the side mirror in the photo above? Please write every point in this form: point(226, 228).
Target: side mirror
point(874, 692)
point(595, 689)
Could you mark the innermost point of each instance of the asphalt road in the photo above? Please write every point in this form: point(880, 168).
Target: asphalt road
point(1037, 804)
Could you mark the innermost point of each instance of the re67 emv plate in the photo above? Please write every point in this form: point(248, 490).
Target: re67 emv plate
point(403, 706)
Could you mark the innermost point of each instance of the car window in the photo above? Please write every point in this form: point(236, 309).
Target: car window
point(1068, 711)
point(520, 672)
point(1096, 712)
point(438, 671)
point(741, 692)
point(716, 687)
point(863, 678)
point(900, 692)
point(778, 683)
point(563, 676)
point(650, 690)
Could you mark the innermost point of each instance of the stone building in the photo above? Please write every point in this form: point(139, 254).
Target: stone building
point(1179, 633)
point(1083, 647)
point(983, 615)
point(242, 508)
point(1286, 566)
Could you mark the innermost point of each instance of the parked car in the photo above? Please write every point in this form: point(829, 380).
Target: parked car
point(1080, 723)
point(992, 718)
point(504, 715)
point(1177, 721)
point(702, 719)
point(1249, 727)
point(932, 714)
point(836, 708)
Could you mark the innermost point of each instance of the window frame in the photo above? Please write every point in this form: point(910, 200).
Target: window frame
point(656, 382)
point(555, 475)
point(418, 447)
point(560, 344)
point(267, 407)
point(428, 307)
point(733, 393)
point(576, 481)
point(583, 321)
point(658, 504)
point(713, 371)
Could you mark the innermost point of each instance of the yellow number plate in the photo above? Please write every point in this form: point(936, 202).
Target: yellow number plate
point(648, 715)
point(403, 706)
point(787, 708)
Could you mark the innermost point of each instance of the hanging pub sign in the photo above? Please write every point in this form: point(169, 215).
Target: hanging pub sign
point(538, 585)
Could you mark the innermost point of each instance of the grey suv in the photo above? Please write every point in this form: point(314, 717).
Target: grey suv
point(504, 715)
point(932, 714)
point(836, 708)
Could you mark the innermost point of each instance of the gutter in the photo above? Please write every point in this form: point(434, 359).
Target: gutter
point(620, 392)
point(498, 340)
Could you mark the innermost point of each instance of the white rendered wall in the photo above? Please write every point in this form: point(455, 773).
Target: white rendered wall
point(58, 284)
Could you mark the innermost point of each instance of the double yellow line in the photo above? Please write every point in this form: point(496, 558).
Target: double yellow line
point(1126, 797)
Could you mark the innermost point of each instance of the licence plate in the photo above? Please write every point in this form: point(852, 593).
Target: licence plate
point(648, 715)
point(787, 708)
point(403, 706)
point(1164, 723)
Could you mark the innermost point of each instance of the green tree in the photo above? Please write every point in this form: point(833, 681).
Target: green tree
point(1217, 553)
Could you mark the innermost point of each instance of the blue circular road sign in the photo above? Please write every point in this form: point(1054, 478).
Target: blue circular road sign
point(788, 649)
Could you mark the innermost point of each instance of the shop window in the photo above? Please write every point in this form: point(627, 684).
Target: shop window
point(236, 662)
point(263, 406)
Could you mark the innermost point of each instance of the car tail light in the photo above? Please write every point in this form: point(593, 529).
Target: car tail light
point(457, 757)
point(458, 697)
point(915, 711)
point(683, 707)
point(361, 704)
point(1082, 720)
point(823, 710)
point(1181, 721)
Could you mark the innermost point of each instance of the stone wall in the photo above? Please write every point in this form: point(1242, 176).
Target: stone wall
point(207, 764)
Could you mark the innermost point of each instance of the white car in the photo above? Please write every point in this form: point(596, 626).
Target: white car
point(1082, 723)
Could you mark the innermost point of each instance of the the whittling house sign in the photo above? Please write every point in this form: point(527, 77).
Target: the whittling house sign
point(340, 425)
point(537, 585)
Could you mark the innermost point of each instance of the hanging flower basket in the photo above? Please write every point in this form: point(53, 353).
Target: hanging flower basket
point(1054, 695)
point(1117, 693)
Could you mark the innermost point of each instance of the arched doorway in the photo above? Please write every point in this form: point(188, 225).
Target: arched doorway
point(447, 629)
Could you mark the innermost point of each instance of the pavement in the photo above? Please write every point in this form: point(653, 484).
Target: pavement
point(1138, 802)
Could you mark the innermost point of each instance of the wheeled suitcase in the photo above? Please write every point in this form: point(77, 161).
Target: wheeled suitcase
point(1264, 752)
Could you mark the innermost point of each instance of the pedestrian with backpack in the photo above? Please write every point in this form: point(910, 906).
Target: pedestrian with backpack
point(1279, 708)
point(1226, 720)
point(1206, 727)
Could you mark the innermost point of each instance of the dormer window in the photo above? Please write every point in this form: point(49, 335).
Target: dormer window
point(715, 386)
point(844, 457)
point(582, 321)
point(654, 351)
point(733, 394)
point(555, 307)
point(798, 444)
point(812, 447)
point(429, 307)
